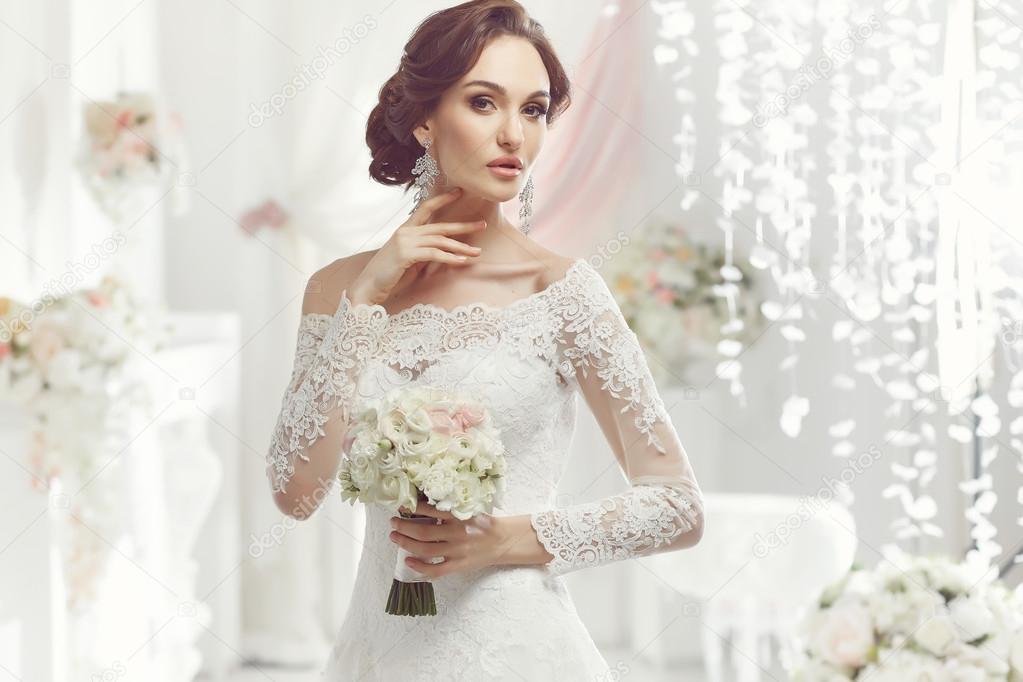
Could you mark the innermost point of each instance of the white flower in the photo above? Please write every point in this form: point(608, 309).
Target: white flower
point(937, 635)
point(843, 635)
point(395, 491)
point(439, 482)
point(363, 468)
point(1016, 652)
point(972, 616)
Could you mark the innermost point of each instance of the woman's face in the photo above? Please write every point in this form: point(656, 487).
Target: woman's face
point(499, 108)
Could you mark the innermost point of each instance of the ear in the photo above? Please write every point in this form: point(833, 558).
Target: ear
point(422, 132)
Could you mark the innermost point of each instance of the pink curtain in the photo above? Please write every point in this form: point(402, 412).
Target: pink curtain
point(591, 154)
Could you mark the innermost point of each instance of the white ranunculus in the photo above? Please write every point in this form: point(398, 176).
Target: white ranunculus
point(463, 445)
point(972, 616)
point(937, 635)
point(468, 499)
point(440, 481)
point(843, 634)
point(364, 469)
point(392, 425)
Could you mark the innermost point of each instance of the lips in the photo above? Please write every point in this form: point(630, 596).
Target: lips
point(506, 162)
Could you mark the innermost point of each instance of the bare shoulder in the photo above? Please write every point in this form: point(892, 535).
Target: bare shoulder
point(556, 266)
point(323, 290)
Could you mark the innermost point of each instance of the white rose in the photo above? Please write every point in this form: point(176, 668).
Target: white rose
point(395, 491)
point(937, 635)
point(419, 420)
point(429, 446)
point(843, 635)
point(972, 616)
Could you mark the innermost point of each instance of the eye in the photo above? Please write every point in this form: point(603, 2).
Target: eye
point(481, 102)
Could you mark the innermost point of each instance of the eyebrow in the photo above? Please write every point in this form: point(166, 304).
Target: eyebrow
point(503, 91)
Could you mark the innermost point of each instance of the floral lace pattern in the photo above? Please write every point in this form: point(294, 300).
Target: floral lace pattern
point(528, 362)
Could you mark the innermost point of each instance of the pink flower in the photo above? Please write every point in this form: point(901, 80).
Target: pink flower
point(665, 295)
point(652, 278)
point(5, 350)
point(466, 416)
point(97, 300)
point(442, 421)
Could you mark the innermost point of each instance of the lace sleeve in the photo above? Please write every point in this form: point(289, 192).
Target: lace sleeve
point(662, 509)
point(315, 407)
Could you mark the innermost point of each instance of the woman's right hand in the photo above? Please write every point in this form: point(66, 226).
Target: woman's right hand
point(414, 244)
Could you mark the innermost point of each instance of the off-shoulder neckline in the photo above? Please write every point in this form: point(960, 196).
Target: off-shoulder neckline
point(462, 308)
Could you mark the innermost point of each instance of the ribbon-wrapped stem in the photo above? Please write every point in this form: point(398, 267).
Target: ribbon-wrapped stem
point(412, 592)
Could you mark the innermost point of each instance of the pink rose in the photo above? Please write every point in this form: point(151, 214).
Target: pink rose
point(96, 299)
point(442, 421)
point(466, 416)
point(5, 350)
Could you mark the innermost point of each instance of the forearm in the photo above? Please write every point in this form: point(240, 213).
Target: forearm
point(315, 467)
point(645, 519)
point(518, 544)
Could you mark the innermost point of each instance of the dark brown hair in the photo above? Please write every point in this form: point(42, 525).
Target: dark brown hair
point(442, 49)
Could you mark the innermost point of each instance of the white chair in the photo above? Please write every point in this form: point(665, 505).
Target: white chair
point(761, 561)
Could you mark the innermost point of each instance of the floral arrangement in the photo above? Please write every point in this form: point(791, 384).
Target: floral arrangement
point(913, 618)
point(422, 443)
point(72, 362)
point(128, 144)
point(682, 299)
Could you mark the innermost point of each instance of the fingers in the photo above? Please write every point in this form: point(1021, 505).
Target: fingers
point(454, 227)
point(434, 570)
point(424, 550)
point(451, 245)
point(427, 509)
point(422, 531)
point(422, 214)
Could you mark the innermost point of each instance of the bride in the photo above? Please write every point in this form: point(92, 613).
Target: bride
point(458, 295)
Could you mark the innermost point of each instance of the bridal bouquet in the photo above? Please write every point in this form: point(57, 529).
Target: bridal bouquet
point(914, 618)
point(429, 444)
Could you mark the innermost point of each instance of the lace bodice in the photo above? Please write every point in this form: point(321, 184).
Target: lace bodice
point(527, 361)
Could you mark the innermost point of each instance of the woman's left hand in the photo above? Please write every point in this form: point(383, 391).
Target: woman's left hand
point(483, 540)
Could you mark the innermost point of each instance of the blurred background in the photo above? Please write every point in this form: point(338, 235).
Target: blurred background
point(810, 213)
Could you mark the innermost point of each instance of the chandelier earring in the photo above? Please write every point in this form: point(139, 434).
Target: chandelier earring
point(426, 172)
point(526, 205)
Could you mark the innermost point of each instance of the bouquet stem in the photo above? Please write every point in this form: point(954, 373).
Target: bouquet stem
point(410, 596)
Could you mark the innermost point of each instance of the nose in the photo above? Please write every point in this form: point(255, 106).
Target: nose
point(510, 134)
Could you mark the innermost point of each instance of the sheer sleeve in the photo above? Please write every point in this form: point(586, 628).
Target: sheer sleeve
point(314, 413)
point(662, 509)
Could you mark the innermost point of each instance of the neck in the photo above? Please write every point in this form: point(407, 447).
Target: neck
point(498, 238)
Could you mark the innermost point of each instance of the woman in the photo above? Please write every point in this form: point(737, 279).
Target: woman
point(460, 296)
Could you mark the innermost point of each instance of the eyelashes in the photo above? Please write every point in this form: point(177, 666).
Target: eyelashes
point(541, 110)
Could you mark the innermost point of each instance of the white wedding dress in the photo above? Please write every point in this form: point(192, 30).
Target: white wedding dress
point(526, 359)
